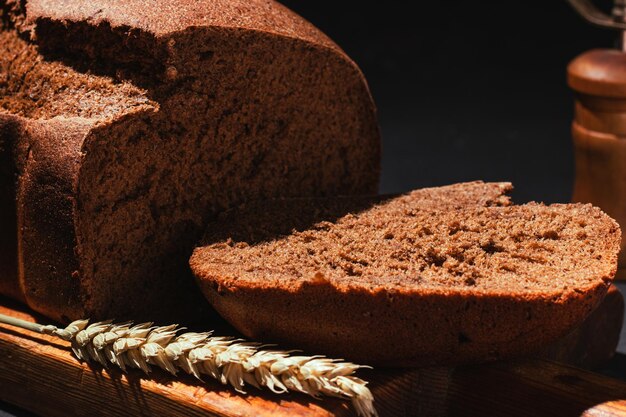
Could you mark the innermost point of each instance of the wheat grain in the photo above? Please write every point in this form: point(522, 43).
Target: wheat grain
point(230, 361)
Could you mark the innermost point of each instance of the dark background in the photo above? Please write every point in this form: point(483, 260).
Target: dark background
point(467, 89)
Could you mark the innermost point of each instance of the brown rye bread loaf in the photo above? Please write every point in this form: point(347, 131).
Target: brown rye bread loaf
point(437, 276)
point(126, 126)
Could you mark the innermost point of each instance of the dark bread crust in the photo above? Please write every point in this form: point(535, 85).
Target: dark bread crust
point(48, 267)
point(389, 320)
point(401, 329)
point(162, 18)
point(46, 155)
point(197, 111)
point(9, 283)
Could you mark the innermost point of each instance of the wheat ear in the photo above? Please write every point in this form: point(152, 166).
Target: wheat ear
point(230, 361)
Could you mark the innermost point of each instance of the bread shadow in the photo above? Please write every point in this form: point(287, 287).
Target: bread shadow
point(121, 52)
point(261, 221)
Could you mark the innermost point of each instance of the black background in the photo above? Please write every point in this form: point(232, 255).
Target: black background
point(467, 89)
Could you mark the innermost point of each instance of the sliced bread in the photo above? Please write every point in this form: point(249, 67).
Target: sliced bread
point(442, 275)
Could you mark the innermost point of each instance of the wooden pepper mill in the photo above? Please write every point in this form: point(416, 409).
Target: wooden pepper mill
point(598, 78)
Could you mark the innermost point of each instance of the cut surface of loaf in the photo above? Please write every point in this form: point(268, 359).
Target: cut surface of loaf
point(442, 275)
point(125, 129)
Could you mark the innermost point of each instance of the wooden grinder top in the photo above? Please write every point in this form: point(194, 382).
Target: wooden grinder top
point(599, 72)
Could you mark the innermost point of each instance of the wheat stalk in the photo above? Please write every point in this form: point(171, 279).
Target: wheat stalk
point(230, 361)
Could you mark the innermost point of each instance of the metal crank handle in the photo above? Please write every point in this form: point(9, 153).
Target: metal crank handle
point(617, 19)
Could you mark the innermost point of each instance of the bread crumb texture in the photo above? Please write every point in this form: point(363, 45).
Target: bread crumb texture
point(530, 248)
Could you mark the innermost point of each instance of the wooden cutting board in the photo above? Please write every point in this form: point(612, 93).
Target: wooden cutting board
point(40, 374)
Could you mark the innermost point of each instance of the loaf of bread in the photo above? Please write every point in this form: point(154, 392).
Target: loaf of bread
point(437, 276)
point(126, 126)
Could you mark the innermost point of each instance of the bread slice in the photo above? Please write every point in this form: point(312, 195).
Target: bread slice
point(440, 275)
point(127, 126)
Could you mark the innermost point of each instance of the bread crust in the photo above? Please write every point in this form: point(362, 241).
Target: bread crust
point(165, 17)
point(47, 262)
point(405, 328)
point(9, 283)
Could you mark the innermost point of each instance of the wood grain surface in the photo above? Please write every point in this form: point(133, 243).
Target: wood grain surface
point(40, 374)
